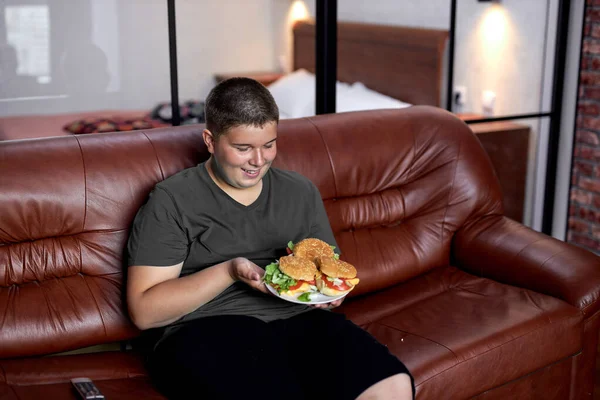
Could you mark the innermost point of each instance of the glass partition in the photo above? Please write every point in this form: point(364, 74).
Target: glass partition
point(81, 67)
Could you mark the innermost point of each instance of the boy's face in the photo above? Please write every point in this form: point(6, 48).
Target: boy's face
point(243, 154)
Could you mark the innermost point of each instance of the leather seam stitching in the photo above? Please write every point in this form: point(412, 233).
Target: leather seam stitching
point(59, 278)
point(423, 337)
point(3, 371)
point(97, 306)
point(328, 156)
point(162, 174)
point(450, 191)
point(68, 235)
point(80, 256)
point(526, 247)
point(84, 183)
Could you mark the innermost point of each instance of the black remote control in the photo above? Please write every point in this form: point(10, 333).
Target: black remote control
point(86, 388)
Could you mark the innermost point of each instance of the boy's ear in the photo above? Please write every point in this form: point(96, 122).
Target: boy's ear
point(209, 140)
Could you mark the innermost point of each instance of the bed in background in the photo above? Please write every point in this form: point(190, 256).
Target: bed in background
point(393, 67)
point(378, 66)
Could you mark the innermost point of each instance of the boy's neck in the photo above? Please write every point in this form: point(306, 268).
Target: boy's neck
point(244, 196)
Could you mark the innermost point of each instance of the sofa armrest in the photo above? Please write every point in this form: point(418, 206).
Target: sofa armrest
point(501, 249)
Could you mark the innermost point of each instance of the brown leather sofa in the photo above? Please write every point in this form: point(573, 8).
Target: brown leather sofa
point(476, 305)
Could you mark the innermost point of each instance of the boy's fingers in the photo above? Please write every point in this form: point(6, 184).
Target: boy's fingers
point(247, 271)
point(261, 286)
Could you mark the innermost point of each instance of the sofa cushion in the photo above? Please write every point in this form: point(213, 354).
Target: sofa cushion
point(112, 365)
point(118, 375)
point(113, 389)
point(464, 335)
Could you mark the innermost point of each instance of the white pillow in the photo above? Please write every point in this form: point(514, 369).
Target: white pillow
point(294, 92)
point(295, 96)
point(311, 109)
point(359, 97)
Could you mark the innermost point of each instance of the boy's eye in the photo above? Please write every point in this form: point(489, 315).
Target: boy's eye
point(243, 149)
point(268, 146)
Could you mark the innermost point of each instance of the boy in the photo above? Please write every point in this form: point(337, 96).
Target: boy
point(195, 279)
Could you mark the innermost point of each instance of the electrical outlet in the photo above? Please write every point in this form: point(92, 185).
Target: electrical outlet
point(460, 95)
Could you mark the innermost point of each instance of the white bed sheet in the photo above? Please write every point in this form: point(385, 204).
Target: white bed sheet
point(295, 96)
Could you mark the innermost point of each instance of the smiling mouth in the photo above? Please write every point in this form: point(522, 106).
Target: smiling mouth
point(252, 172)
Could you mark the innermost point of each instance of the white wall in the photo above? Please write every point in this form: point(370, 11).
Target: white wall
point(222, 36)
point(421, 14)
point(143, 53)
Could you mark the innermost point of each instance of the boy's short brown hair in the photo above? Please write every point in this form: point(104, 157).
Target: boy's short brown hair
point(239, 101)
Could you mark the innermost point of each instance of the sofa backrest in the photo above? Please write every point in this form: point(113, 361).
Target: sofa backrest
point(66, 205)
point(396, 184)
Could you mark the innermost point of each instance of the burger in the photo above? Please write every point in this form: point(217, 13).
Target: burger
point(335, 277)
point(292, 275)
point(312, 249)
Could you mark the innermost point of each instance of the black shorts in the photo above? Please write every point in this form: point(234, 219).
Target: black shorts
point(315, 355)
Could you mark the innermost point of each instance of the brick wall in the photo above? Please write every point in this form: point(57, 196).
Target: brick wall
point(584, 207)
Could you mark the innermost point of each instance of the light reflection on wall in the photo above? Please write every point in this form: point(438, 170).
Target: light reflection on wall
point(495, 33)
point(494, 25)
point(298, 11)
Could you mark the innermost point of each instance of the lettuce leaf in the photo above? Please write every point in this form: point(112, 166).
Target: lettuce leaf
point(291, 245)
point(277, 279)
point(304, 297)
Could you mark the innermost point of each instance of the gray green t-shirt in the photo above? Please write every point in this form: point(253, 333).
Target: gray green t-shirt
point(189, 218)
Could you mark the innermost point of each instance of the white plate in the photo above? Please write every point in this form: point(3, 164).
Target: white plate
point(318, 298)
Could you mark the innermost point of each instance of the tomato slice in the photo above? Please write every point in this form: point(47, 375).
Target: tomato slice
point(288, 251)
point(300, 282)
point(296, 286)
point(342, 286)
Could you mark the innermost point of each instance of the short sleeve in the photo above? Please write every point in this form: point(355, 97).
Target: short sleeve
point(320, 227)
point(157, 236)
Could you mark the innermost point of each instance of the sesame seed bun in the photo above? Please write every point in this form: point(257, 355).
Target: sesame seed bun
point(298, 268)
point(336, 268)
point(312, 249)
point(336, 290)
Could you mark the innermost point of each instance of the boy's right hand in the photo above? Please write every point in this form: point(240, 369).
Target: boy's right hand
point(242, 269)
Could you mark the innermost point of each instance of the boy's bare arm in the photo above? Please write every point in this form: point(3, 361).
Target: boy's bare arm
point(157, 296)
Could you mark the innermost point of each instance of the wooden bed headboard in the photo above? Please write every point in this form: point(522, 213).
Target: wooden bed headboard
point(400, 62)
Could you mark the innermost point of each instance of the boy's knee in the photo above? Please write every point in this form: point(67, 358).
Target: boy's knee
point(395, 387)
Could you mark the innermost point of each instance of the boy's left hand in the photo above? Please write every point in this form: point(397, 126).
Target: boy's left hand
point(329, 306)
